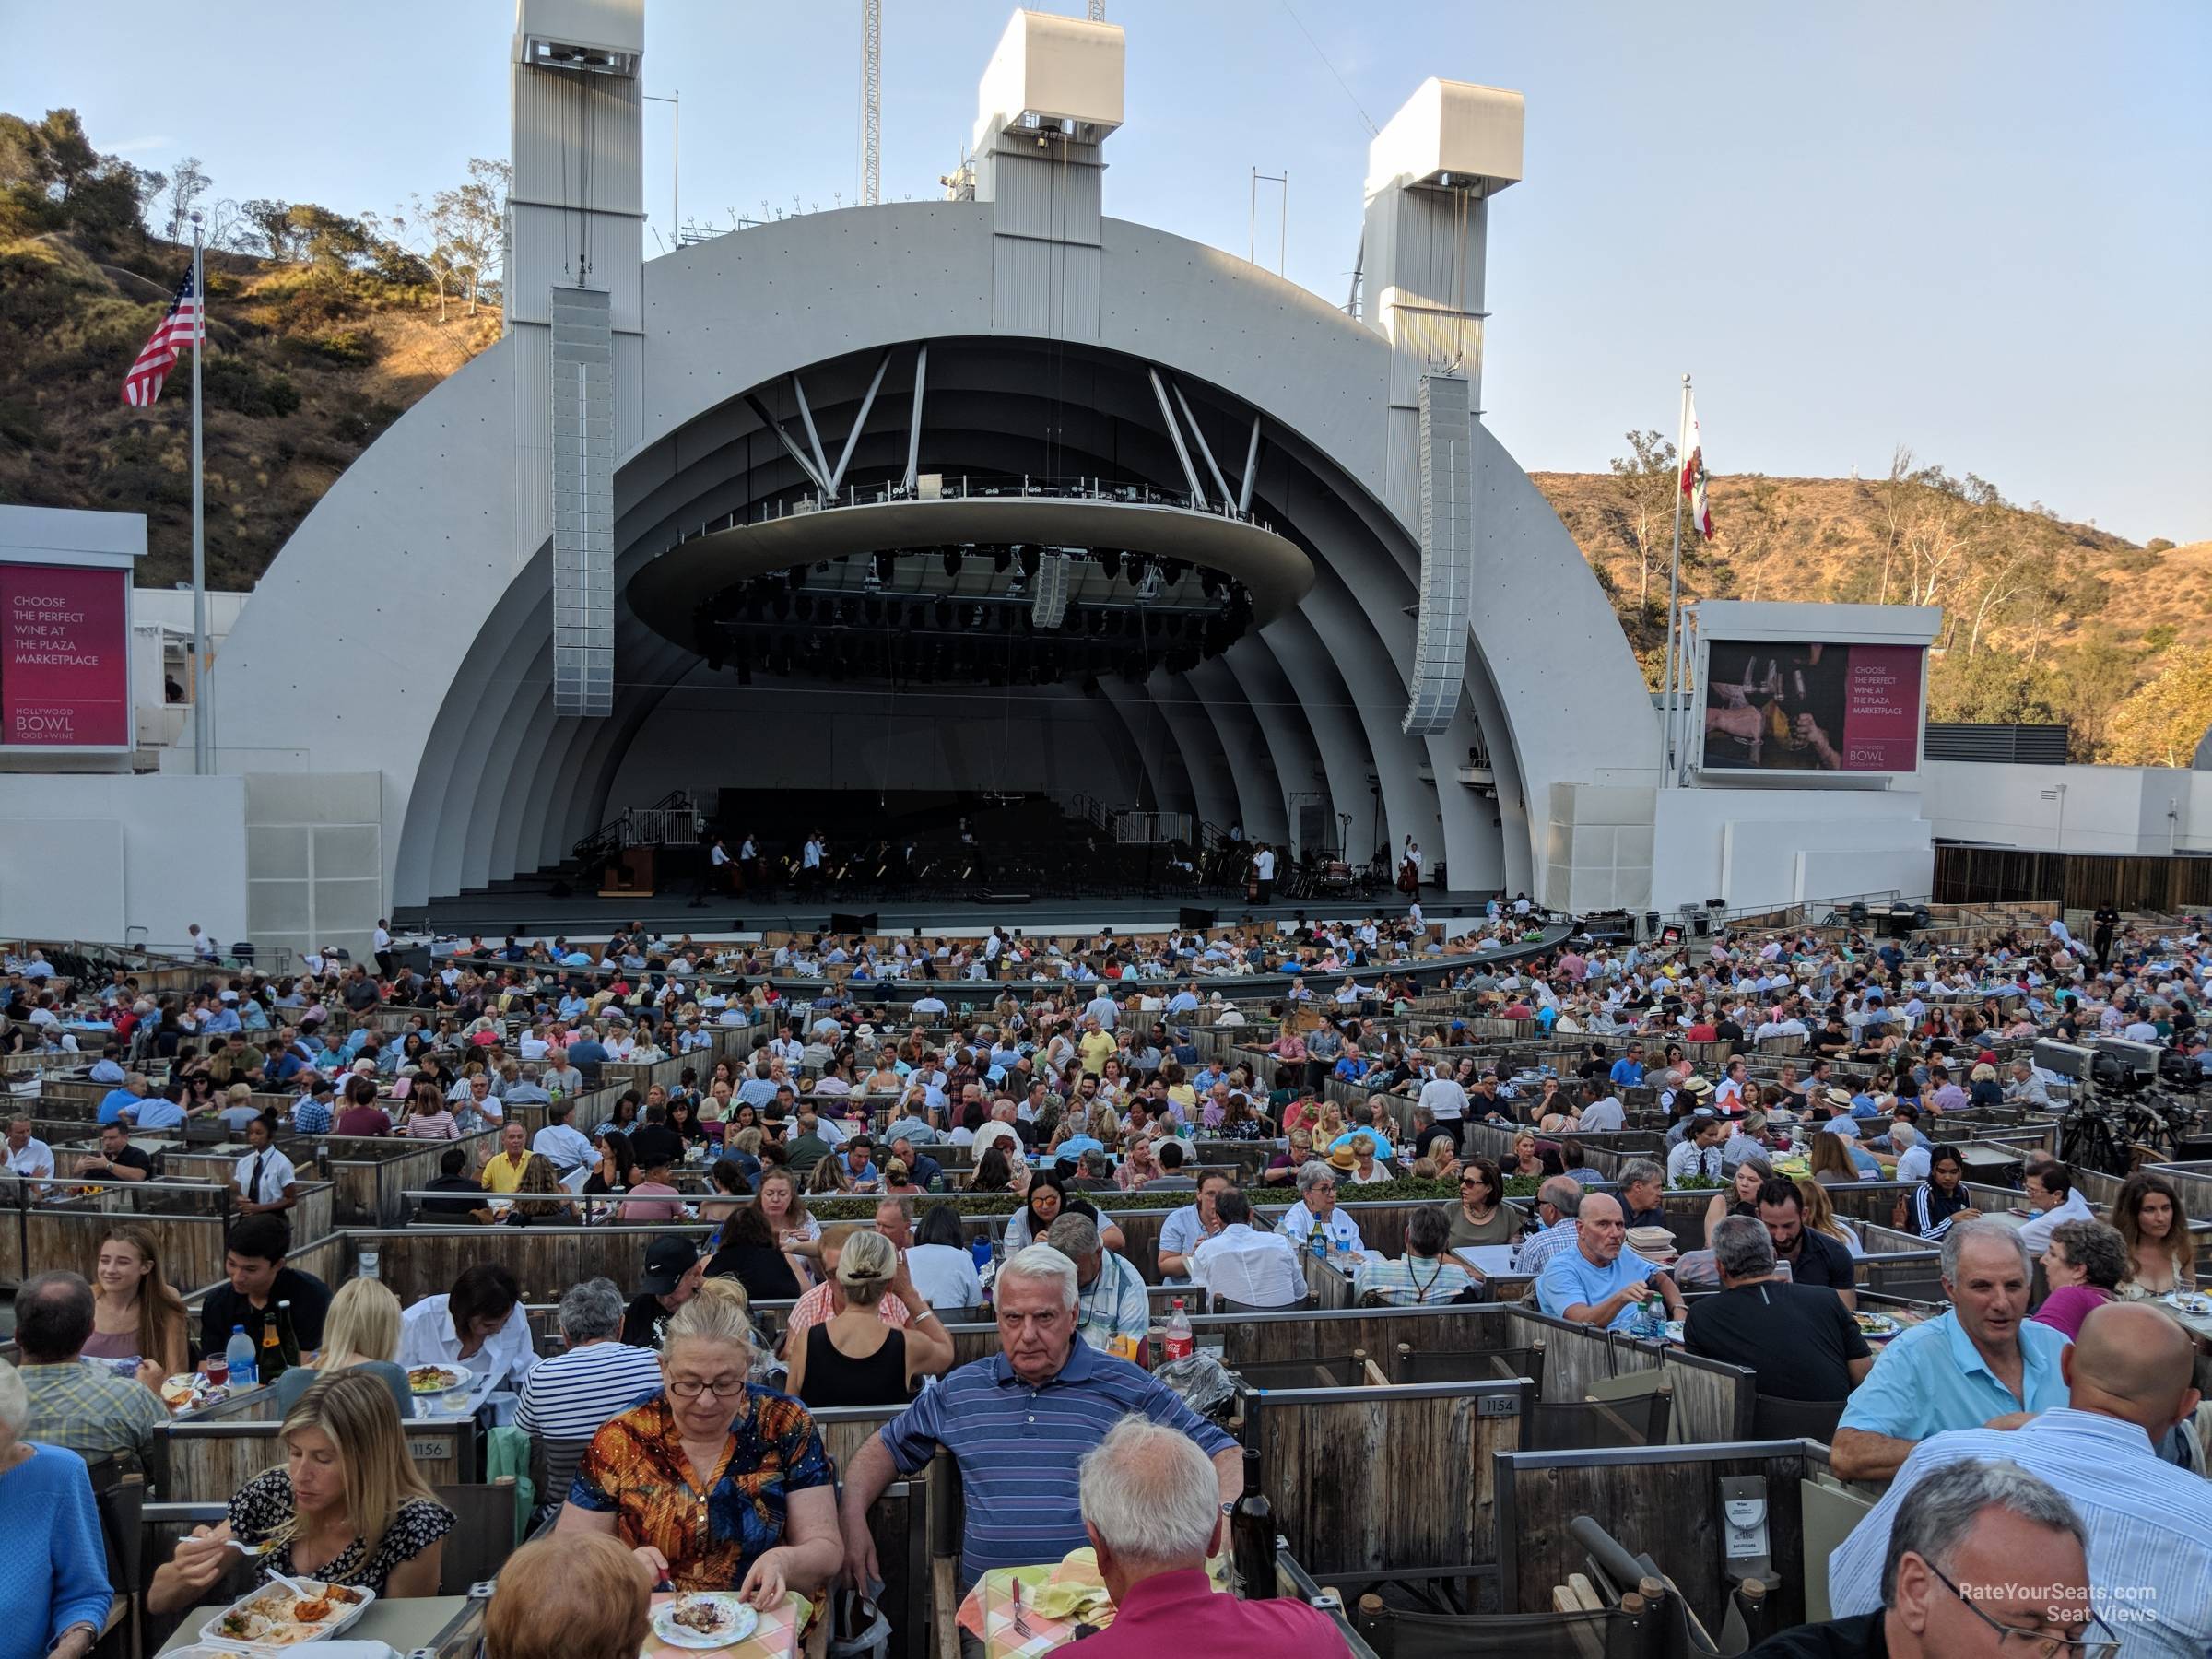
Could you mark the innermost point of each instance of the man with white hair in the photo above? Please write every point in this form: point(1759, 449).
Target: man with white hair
point(1150, 1513)
point(1018, 1425)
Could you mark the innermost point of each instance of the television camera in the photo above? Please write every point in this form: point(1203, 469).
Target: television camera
point(2120, 1099)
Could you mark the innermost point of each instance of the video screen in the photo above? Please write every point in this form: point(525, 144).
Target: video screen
point(1791, 706)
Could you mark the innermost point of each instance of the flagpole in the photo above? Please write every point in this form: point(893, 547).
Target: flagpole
point(199, 528)
point(1673, 606)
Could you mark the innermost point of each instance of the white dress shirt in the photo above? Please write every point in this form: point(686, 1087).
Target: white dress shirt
point(1258, 1269)
point(275, 1174)
point(426, 1337)
point(564, 1147)
point(2035, 1233)
point(35, 1159)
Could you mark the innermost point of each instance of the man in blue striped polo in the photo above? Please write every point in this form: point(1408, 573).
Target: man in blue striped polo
point(1018, 1425)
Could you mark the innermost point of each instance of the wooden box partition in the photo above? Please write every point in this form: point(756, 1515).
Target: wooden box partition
point(208, 1462)
point(370, 1173)
point(1662, 1502)
point(2193, 1183)
point(1387, 1482)
point(1712, 1402)
point(186, 1222)
point(330, 1259)
point(1295, 1335)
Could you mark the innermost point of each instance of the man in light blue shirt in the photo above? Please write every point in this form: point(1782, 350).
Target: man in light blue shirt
point(2150, 1523)
point(164, 1110)
point(1980, 1364)
point(1598, 1281)
point(126, 1100)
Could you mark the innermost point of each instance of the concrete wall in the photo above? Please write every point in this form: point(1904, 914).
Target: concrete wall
point(2142, 810)
point(1773, 846)
point(314, 856)
point(103, 857)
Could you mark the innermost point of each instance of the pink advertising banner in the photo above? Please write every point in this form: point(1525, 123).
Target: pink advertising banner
point(64, 657)
point(1881, 708)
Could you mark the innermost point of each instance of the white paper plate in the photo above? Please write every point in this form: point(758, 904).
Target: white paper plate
point(740, 1621)
point(275, 1635)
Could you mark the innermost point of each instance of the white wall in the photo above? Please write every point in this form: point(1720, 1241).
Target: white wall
point(95, 857)
point(2121, 809)
point(1775, 846)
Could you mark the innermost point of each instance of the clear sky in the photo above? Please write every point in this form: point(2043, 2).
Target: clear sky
point(1982, 229)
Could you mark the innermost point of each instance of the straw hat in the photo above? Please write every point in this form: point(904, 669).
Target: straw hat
point(1696, 1085)
point(1342, 1159)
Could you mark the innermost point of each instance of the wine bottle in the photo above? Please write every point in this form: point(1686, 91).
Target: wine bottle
point(1252, 1535)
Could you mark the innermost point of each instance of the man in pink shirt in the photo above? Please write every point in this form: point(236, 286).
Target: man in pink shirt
point(826, 1299)
point(1151, 1504)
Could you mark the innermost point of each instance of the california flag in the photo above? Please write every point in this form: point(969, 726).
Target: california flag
point(1693, 475)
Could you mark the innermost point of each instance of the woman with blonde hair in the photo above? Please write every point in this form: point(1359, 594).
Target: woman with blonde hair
point(569, 1599)
point(137, 1317)
point(1820, 1215)
point(348, 1508)
point(531, 1187)
point(360, 1333)
point(1329, 1126)
point(715, 1481)
point(853, 1358)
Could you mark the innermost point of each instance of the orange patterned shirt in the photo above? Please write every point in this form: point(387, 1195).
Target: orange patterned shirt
point(636, 1469)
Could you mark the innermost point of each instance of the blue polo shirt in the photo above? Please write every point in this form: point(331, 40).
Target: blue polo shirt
point(1572, 1279)
point(1627, 1074)
point(158, 1112)
point(1932, 1379)
point(1019, 1448)
point(117, 1101)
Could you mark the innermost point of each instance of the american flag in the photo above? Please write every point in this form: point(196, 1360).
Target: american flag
point(179, 328)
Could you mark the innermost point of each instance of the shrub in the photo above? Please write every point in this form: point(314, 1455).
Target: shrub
point(234, 384)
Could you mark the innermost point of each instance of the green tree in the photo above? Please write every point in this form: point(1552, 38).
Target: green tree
point(268, 224)
point(185, 186)
point(1995, 688)
point(2161, 722)
point(1643, 514)
point(2097, 676)
point(469, 225)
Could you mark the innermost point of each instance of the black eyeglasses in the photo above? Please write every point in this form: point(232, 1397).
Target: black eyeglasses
point(2044, 1645)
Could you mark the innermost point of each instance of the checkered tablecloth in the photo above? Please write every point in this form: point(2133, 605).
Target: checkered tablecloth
point(775, 1637)
point(987, 1613)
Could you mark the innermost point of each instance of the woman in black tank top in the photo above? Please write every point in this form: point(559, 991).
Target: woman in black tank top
point(878, 1363)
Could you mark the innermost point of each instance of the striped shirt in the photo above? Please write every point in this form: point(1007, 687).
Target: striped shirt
point(2150, 1525)
point(572, 1395)
point(1536, 1253)
point(1018, 1448)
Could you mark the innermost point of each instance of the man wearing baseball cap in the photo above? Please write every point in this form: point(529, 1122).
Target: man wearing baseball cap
point(673, 1271)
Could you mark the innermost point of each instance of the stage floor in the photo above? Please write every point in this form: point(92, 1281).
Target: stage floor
point(586, 915)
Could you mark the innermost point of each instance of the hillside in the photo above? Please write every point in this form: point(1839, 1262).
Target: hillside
point(305, 369)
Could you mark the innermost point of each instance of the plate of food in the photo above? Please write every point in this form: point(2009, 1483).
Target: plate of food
point(1672, 1330)
point(272, 1616)
point(435, 1379)
point(708, 1620)
point(1878, 1327)
point(2189, 1301)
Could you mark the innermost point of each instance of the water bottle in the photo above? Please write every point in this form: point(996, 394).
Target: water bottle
point(980, 1249)
point(1177, 1341)
point(238, 1352)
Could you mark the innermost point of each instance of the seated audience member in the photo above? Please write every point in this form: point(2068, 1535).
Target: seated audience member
point(1814, 1258)
point(479, 1325)
point(1184, 1230)
point(821, 1302)
point(136, 1313)
point(1800, 1340)
point(673, 1269)
point(596, 1374)
point(652, 1197)
point(1697, 1156)
point(1940, 1202)
point(1254, 1269)
point(1110, 1291)
point(1599, 1282)
point(503, 1170)
point(2161, 1249)
point(362, 1115)
point(347, 1507)
point(940, 1264)
point(852, 1358)
point(360, 1333)
point(2083, 1264)
point(1428, 1273)
point(256, 1280)
point(56, 1587)
point(1024, 1509)
point(1981, 1363)
point(560, 1142)
point(573, 1597)
point(1483, 1216)
point(1315, 1214)
point(87, 1408)
point(453, 1178)
point(1151, 1509)
point(2053, 1200)
point(1951, 1583)
point(2150, 1525)
point(117, 1160)
point(750, 1254)
point(767, 1523)
point(1557, 1199)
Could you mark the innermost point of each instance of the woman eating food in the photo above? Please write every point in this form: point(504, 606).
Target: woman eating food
point(715, 1482)
point(348, 1508)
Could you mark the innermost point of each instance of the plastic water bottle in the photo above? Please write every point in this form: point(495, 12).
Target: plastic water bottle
point(238, 1352)
point(980, 1249)
point(1176, 1334)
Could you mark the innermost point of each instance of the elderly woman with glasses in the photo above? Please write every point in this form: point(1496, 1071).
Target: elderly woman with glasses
point(715, 1482)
